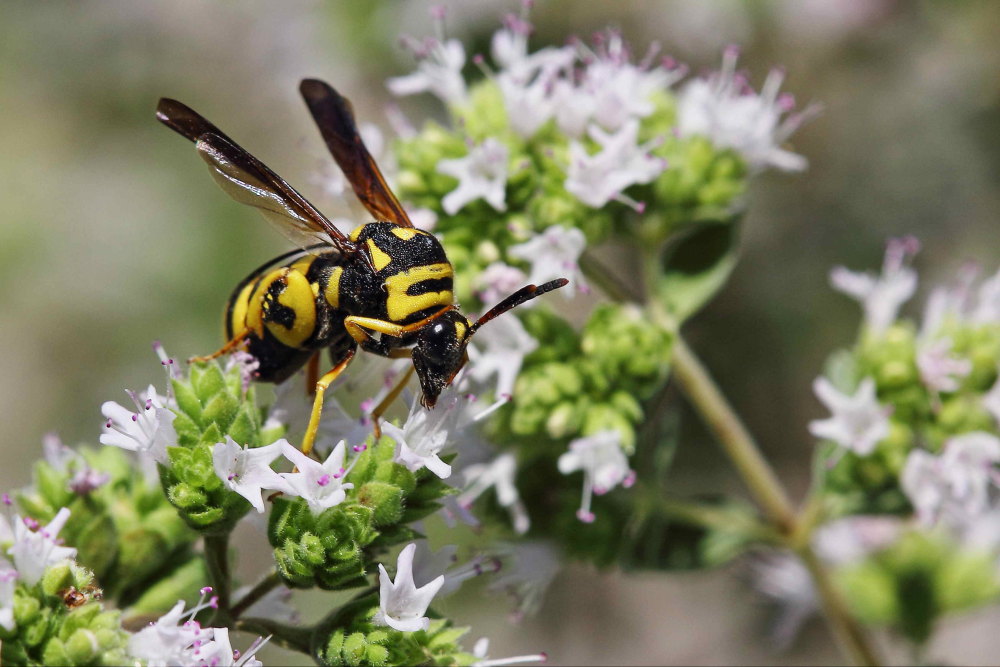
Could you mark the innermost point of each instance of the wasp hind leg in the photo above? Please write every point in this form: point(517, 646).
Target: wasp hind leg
point(229, 347)
point(321, 386)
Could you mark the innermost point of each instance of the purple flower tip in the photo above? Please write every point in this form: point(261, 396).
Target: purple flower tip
point(478, 59)
point(5, 498)
point(107, 424)
point(324, 480)
point(206, 590)
point(214, 602)
point(30, 523)
point(135, 417)
point(586, 517)
point(231, 476)
point(544, 656)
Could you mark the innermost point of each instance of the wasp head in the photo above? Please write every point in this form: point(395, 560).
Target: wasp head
point(440, 353)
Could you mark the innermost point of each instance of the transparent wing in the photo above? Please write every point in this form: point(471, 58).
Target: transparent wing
point(249, 181)
point(335, 120)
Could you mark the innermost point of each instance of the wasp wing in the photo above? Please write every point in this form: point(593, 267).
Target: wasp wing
point(249, 181)
point(335, 119)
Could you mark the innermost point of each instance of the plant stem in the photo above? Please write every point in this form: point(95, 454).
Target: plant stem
point(286, 636)
point(769, 493)
point(843, 625)
point(705, 516)
point(260, 589)
point(764, 486)
point(217, 562)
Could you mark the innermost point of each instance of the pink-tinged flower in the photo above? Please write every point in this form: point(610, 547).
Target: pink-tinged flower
point(36, 548)
point(401, 604)
point(881, 296)
point(939, 369)
point(555, 253)
point(527, 570)
point(500, 349)
point(439, 71)
point(219, 652)
point(858, 422)
point(954, 485)
point(497, 281)
point(499, 474)
point(426, 433)
point(603, 463)
point(622, 161)
point(149, 430)
point(247, 471)
point(482, 174)
point(8, 580)
point(320, 484)
point(724, 108)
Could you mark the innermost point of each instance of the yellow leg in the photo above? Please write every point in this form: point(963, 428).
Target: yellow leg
point(388, 400)
point(356, 326)
point(225, 349)
point(310, 437)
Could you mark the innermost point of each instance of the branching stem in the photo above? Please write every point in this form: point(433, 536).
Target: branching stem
point(260, 589)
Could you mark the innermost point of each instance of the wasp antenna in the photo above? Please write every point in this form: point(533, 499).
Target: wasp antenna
point(526, 293)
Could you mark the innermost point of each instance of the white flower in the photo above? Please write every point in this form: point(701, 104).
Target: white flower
point(554, 253)
point(148, 430)
point(482, 646)
point(939, 370)
point(498, 474)
point(597, 179)
point(248, 471)
point(500, 349)
point(481, 174)
point(882, 296)
point(8, 579)
point(987, 309)
point(858, 422)
point(954, 485)
point(427, 432)
point(527, 569)
point(219, 652)
point(603, 463)
point(401, 604)
point(36, 548)
point(445, 560)
point(725, 109)
point(620, 90)
point(439, 71)
point(498, 280)
point(320, 484)
point(164, 642)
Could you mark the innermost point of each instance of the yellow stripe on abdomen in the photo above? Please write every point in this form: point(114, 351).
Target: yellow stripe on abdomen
point(400, 304)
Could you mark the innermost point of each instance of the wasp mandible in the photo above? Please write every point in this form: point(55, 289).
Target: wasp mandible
point(386, 286)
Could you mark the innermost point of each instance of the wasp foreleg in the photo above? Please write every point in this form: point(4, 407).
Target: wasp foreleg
point(321, 386)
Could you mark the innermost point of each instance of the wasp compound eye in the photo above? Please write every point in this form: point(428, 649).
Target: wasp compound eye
point(440, 353)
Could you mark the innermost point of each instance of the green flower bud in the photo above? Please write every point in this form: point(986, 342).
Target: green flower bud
point(385, 500)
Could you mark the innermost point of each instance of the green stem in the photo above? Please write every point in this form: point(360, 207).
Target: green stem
point(845, 627)
point(287, 636)
point(759, 477)
point(260, 589)
point(757, 474)
point(763, 483)
point(219, 576)
point(705, 516)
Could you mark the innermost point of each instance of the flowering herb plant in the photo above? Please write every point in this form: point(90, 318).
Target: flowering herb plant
point(555, 441)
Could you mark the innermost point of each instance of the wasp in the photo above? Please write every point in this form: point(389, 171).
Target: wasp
point(386, 287)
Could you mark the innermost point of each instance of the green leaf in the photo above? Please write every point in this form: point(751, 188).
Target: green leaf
point(697, 266)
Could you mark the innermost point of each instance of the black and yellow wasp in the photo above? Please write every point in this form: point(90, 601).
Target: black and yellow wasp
point(386, 287)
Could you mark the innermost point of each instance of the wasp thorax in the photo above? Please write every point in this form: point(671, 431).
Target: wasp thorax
point(440, 353)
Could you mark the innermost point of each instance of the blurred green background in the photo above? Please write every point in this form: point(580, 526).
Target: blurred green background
point(112, 235)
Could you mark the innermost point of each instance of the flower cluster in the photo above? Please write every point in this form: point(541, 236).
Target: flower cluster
point(913, 405)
